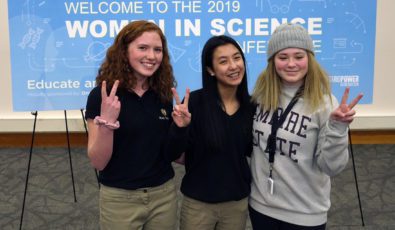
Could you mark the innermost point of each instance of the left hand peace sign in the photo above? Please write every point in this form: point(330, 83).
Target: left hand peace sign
point(181, 115)
point(345, 112)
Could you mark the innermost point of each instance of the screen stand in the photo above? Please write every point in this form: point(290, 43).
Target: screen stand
point(35, 113)
point(355, 176)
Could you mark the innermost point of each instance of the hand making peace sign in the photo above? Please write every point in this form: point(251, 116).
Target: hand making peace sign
point(181, 115)
point(110, 105)
point(345, 112)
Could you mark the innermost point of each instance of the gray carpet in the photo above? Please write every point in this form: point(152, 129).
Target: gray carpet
point(50, 198)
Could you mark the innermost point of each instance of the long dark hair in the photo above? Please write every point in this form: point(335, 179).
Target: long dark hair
point(214, 125)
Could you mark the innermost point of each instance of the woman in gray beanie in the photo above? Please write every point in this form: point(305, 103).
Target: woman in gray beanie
point(300, 136)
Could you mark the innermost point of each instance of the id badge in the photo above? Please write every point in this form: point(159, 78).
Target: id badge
point(270, 185)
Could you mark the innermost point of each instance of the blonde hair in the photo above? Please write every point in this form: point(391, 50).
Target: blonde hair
point(267, 89)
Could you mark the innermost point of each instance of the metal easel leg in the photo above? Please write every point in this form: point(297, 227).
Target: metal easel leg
point(68, 146)
point(28, 168)
point(355, 175)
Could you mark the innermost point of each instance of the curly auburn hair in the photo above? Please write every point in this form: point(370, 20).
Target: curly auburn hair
point(116, 64)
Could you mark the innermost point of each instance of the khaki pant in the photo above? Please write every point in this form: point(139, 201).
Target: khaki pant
point(206, 216)
point(148, 208)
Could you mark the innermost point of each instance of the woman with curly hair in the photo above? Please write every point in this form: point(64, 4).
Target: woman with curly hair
point(128, 115)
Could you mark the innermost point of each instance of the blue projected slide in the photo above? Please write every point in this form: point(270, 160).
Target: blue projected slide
point(58, 46)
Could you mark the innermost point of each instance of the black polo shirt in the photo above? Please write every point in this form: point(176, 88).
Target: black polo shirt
point(138, 159)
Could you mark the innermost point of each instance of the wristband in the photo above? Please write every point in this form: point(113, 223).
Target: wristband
point(101, 122)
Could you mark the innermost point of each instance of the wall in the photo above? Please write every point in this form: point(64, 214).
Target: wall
point(378, 115)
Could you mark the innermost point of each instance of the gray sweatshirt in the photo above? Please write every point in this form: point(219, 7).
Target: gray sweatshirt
point(310, 149)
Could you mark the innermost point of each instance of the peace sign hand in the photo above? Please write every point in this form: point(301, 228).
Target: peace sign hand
point(110, 105)
point(181, 115)
point(345, 112)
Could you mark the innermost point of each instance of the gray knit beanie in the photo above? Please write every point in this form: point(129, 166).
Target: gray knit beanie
point(289, 35)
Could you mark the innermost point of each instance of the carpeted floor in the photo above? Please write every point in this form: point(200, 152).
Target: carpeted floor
point(50, 198)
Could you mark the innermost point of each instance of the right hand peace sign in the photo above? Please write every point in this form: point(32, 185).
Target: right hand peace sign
point(181, 115)
point(345, 112)
point(110, 105)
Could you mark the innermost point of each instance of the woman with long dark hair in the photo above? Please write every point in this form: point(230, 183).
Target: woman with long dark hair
point(217, 139)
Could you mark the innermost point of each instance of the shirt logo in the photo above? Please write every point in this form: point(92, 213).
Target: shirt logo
point(163, 111)
point(164, 115)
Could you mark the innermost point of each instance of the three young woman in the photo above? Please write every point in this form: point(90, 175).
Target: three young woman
point(299, 135)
